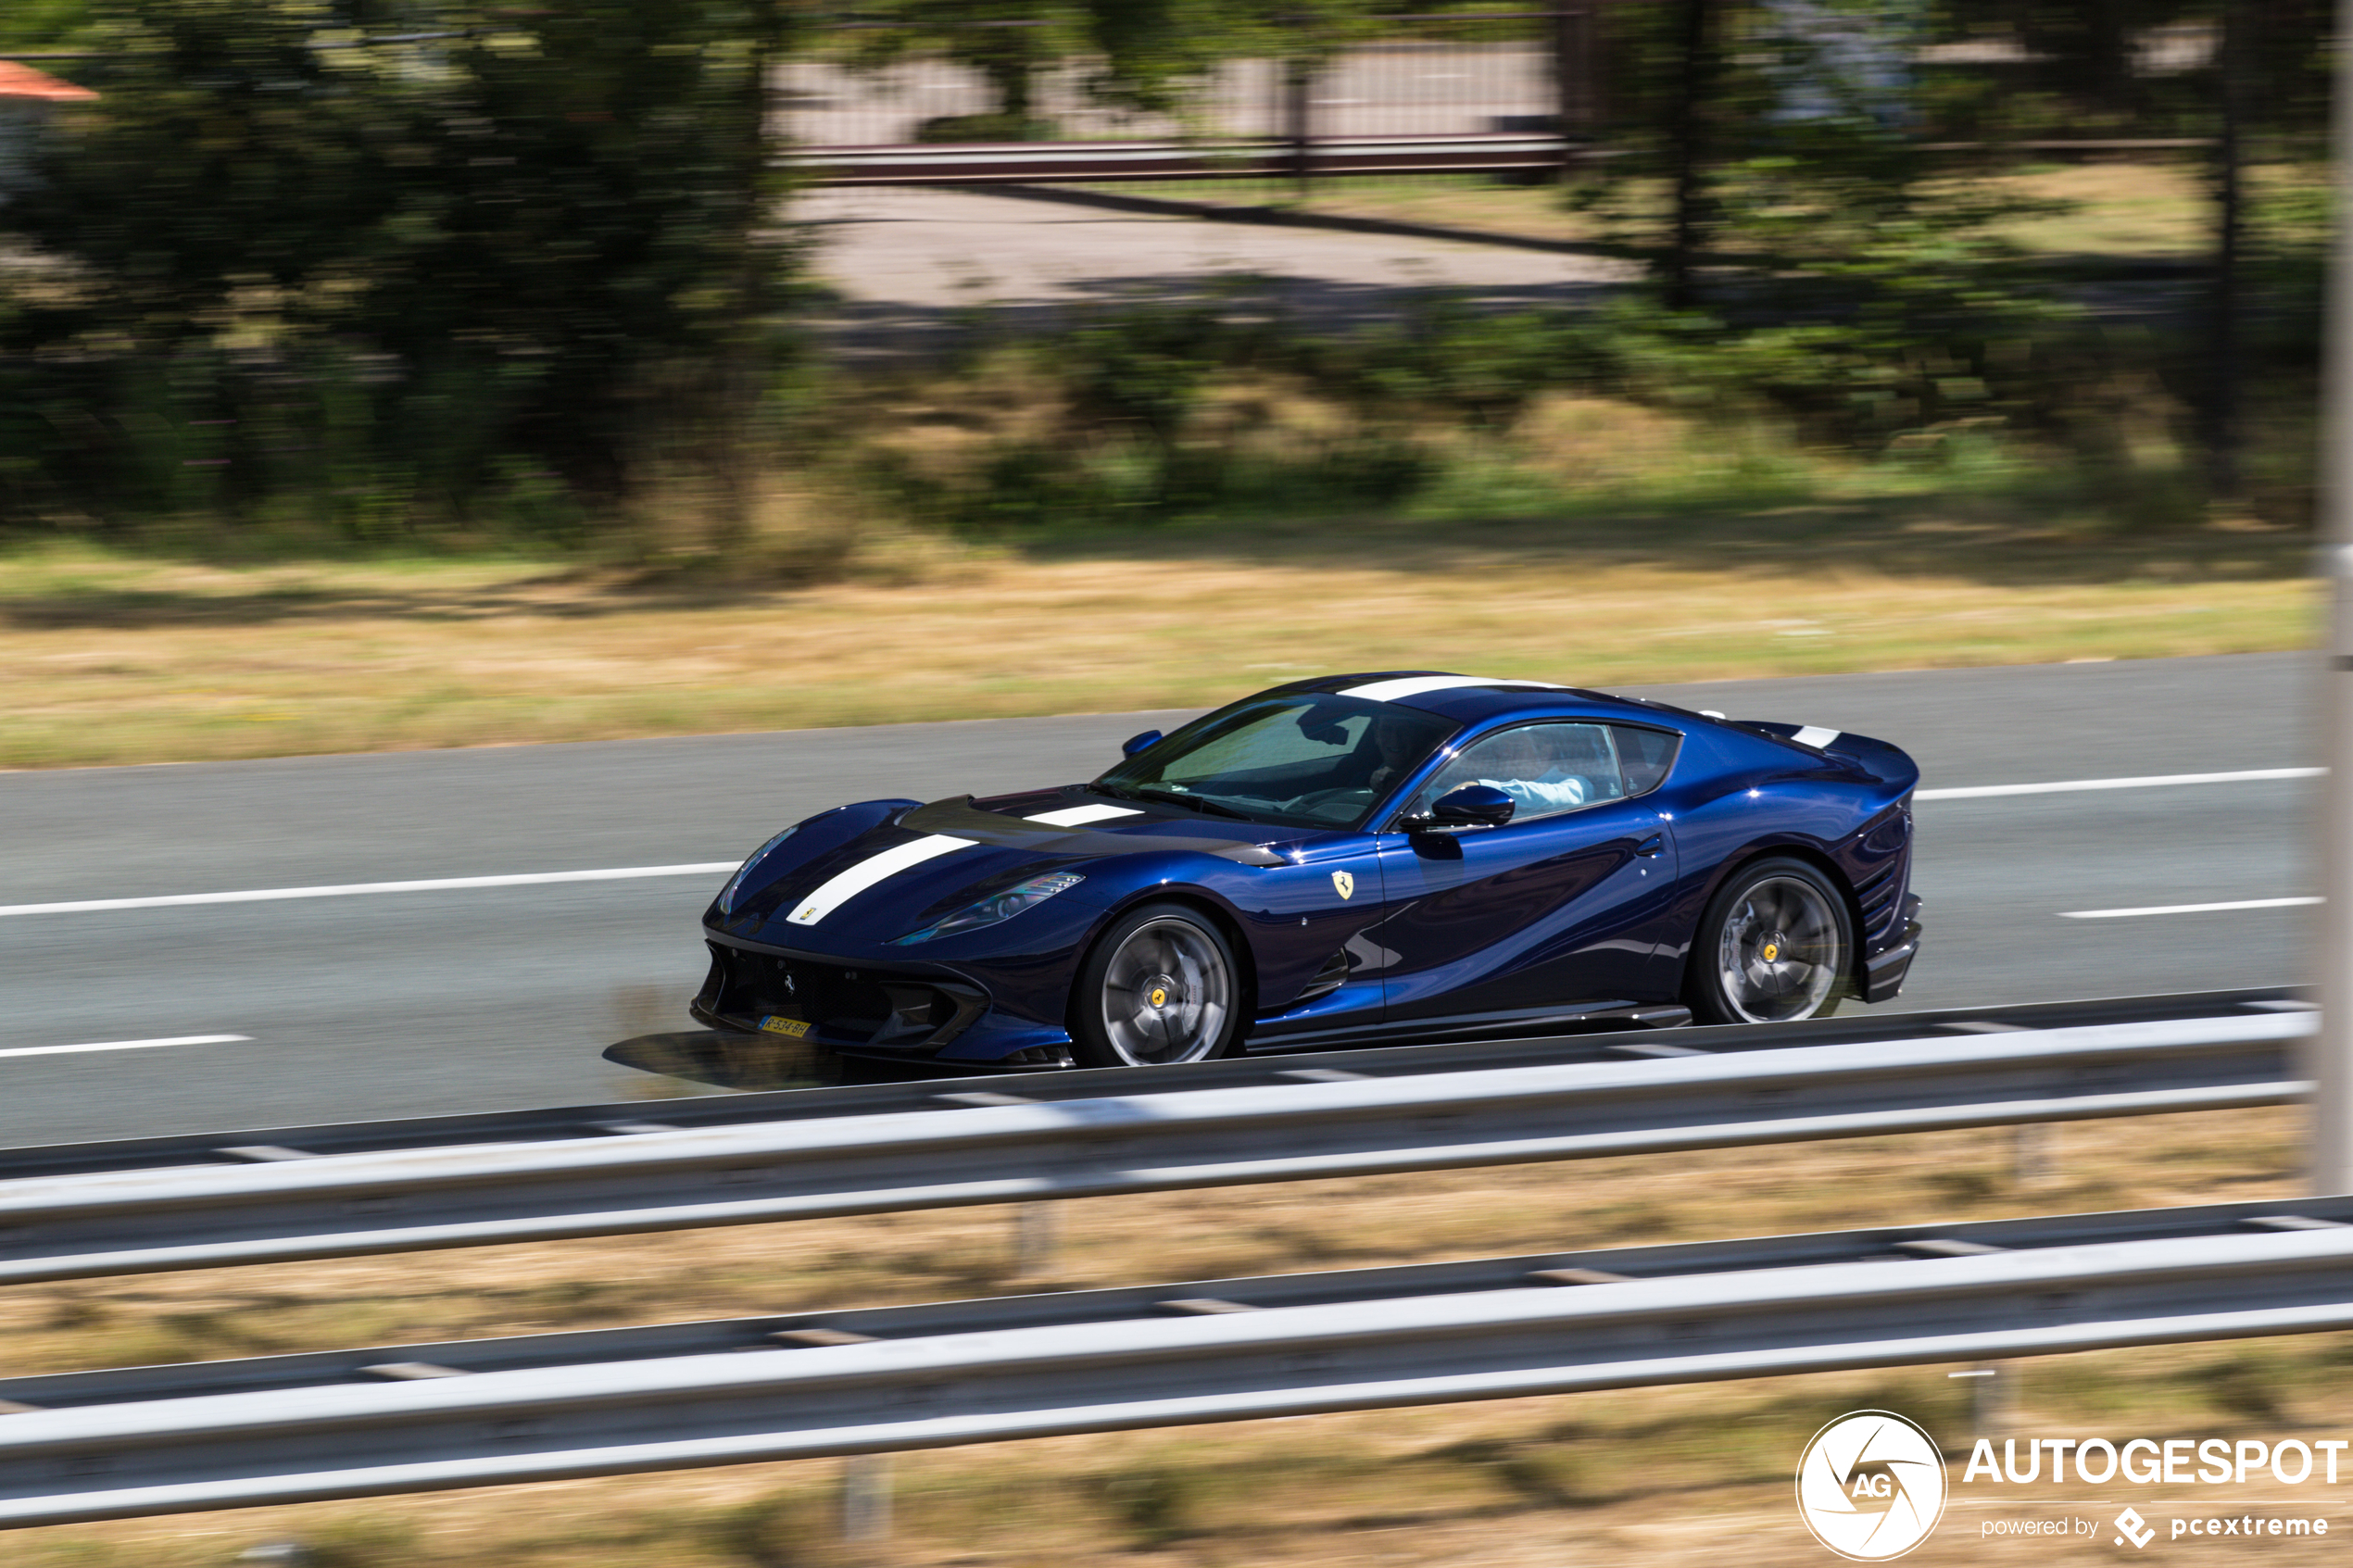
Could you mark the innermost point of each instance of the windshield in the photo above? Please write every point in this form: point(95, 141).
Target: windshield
point(1301, 758)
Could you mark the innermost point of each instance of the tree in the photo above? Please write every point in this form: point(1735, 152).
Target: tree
point(1695, 85)
point(1009, 43)
point(38, 24)
point(1140, 55)
point(516, 244)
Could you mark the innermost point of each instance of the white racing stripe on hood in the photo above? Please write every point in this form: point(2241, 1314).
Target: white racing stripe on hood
point(839, 889)
point(1079, 816)
point(1419, 685)
point(1815, 736)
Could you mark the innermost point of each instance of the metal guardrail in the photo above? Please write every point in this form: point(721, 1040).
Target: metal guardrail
point(1123, 162)
point(701, 1053)
point(1104, 162)
point(988, 1315)
point(1148, 1139)
point(284, 1429)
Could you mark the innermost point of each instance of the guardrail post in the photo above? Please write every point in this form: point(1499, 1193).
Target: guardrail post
point(1989, 1397)
point(1033, 1240)
point(865, 1498)
point(2032, 1146)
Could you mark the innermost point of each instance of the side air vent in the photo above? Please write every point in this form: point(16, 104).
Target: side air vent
point(1327, 979)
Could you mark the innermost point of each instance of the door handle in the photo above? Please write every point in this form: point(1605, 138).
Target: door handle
point(1651, 845)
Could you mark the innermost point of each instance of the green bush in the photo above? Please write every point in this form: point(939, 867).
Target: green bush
point(281, 271)
point(986, 128)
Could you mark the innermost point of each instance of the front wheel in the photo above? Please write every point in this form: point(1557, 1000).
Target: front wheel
point(1159, 988)
point(1775, 946)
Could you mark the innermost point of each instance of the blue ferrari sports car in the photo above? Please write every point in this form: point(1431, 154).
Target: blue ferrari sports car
point(1348, 859)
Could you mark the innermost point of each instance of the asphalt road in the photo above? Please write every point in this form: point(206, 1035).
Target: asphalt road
point(408, 1003)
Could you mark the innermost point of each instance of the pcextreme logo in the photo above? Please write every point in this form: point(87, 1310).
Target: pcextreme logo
point(1870, 1485)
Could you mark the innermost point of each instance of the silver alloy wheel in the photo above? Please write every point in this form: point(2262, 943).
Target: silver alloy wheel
point(1166, 993)
point(1781, 951)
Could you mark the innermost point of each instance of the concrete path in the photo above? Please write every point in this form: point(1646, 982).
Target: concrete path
point(909, 264)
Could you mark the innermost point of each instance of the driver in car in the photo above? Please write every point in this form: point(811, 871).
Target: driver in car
point(1391, 746)
point(1392, 743)
point(1517, 764)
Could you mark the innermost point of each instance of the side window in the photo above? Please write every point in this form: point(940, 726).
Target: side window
point(1546, 769)
point(1646, 756)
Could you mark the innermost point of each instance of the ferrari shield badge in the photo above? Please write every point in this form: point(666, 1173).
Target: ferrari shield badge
point(1343, 883)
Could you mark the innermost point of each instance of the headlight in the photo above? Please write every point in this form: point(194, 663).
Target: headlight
point(736, 884)
point(996, 907)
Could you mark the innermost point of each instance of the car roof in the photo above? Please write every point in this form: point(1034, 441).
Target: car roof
point(1472, 700)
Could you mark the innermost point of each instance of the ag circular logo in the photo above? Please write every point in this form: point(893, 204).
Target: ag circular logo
point(1870, 1485)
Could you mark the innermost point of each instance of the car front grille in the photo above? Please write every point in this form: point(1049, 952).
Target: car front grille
point(842, 1005)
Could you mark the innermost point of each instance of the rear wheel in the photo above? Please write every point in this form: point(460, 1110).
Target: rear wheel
point(1159, 987)
point(1776, 945)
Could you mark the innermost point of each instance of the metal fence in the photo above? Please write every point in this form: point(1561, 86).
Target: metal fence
point(1423, 90)
point(1434, 76)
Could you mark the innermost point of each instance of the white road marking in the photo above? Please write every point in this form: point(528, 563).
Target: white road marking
point(1421, 686)
point(2188, 908)
point(1078, 816)
point(125, 1045)
point(839, 889)
point(2151, 781)
point(1069, 816)
point(351, 889)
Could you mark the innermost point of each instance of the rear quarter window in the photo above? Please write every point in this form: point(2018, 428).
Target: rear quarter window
point(1645, 757)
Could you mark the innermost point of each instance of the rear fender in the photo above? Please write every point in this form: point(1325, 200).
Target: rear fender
point(1822, 861)
point(1887, 764)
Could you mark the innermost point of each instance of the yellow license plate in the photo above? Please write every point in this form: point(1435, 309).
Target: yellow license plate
point(793, 1027)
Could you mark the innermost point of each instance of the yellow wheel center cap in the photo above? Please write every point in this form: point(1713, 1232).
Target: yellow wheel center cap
point(1772, 951)
point(1159, 997)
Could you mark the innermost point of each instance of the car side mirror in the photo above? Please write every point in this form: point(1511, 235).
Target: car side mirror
point(1144, 742)
point(1473, 806)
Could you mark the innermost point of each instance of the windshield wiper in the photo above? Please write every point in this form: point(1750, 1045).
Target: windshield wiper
point(1197, 802)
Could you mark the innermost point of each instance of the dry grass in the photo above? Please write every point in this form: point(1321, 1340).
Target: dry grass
point(1661, 1475)
point(118, 660)
point(2138, 209)
point(2107, 209)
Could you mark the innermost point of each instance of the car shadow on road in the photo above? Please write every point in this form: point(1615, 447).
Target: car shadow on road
point(756, 1064)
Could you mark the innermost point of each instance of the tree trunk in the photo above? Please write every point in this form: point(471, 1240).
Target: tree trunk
point(2108, 48)
point(1698, 76)
point(1575, 100)
point(1010, 65)
point(1299, 79)
point(2222, 413)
